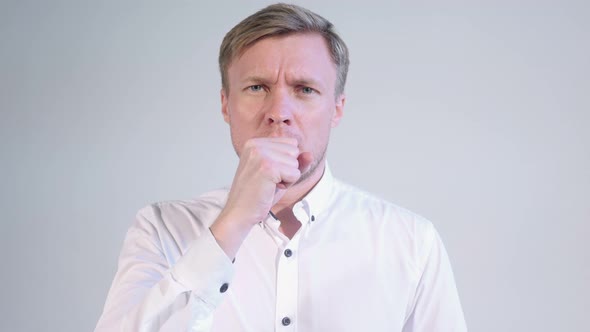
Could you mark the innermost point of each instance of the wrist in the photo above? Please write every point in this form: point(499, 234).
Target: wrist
point(230, 232)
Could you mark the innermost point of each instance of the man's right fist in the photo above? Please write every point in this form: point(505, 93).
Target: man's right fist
point(268, 167)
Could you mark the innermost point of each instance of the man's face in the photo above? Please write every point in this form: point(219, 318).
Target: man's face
point(284, 87)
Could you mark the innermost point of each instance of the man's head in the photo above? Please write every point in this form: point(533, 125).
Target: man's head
point(283, 72)
point(281, 20)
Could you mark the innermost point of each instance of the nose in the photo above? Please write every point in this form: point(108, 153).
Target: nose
point(280, 110)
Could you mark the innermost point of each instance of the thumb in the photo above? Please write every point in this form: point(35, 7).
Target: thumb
point(305, 159)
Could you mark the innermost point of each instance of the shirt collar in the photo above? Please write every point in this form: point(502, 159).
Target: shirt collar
point(314, 203)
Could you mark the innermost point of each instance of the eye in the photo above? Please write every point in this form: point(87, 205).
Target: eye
point(255, 88)
point(307, 90)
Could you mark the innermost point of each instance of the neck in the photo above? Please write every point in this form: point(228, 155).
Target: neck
point(296, 192)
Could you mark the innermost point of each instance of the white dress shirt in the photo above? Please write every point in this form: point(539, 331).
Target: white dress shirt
point(357, 263)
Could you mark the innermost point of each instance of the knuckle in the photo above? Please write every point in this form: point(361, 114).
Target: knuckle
point(294, 152)
point(293, 173)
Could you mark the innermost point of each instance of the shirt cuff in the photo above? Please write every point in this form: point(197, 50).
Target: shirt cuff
point(205, 269)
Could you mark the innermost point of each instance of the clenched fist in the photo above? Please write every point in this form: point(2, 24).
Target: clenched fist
point(268, 167)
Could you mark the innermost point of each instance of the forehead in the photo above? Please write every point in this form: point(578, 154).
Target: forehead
point(291, 55)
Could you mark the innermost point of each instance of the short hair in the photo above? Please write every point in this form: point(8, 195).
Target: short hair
point(280, 20)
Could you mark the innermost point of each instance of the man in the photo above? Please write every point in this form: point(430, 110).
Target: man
point(288, 247)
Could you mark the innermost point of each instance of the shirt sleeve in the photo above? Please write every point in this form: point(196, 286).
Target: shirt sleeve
point(147, 290)
point(436, 305)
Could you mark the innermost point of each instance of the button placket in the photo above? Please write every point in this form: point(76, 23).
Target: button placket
point(288, 284)
point(287, 288)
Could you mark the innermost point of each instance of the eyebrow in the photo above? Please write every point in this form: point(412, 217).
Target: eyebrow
point(299, 81)
point(256, 79)
point(307, 82)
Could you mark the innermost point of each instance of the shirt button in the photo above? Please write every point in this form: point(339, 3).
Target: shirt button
point(288, 253)
point(286, 321)
point(223, 288)
point(312, 218)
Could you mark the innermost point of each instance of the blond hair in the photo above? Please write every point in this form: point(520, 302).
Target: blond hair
point(280, 20)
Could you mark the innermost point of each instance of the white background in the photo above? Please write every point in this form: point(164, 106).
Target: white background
point(473, 114)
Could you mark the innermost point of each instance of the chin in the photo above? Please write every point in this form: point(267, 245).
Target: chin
point(313, 168)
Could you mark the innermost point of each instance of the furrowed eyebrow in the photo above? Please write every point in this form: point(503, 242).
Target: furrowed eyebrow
point(307, 82)
point(255, 80)
point(296, 82)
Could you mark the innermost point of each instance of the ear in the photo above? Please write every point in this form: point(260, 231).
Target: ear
point(339, 110)
point(224, 107)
